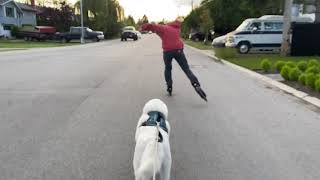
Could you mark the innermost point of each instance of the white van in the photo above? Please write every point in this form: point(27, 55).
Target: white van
point(264, 33)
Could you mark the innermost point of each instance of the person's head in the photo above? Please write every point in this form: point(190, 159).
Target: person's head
point(180, 19)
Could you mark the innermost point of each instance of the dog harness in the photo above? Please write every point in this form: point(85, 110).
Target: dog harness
point(154, 117)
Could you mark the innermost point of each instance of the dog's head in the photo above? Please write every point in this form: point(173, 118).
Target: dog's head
point(156, 105)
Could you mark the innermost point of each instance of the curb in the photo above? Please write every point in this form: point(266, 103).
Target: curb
point(299, 94)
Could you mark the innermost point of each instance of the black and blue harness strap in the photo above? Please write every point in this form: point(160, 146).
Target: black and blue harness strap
point(154, 117)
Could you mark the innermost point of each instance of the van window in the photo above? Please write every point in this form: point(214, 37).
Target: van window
point(273, 26)
point(243, 26)
point(255, 24)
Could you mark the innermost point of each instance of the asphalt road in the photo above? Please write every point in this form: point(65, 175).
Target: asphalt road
point(70, 114)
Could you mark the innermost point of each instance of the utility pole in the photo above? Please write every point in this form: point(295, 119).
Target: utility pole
point(317, 4)
point(286, 44)
point(192, 5)
point(82, 28)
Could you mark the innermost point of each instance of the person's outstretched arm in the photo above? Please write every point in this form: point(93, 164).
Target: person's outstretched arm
point(157, 28)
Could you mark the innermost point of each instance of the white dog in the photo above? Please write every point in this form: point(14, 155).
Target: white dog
point(152, 152)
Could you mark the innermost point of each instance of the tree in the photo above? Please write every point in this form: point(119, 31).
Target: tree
point(145, 19)
point(191, 23)
point(103, 15)
point(228, 14)
point(61, 18)
point(130, 21)
point(206, 22)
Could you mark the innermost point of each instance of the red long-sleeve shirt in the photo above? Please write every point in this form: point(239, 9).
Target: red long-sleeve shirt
point(169, 34)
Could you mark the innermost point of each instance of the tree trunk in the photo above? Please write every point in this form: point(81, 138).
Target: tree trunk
point(286, 44)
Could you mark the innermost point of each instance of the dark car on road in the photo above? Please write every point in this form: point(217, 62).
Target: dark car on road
point(129, 32)
point(75, 33)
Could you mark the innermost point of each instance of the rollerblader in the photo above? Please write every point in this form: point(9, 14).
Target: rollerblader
point(173, 49)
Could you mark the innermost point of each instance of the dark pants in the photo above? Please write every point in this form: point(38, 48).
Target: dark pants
point(179, 56)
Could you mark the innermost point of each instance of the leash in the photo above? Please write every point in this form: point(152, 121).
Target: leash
point(156, 150)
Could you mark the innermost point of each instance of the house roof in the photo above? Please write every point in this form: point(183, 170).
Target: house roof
point(22, 6)
point(3, 1)
point(26, 7)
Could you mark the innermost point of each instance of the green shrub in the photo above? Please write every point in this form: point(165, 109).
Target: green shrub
point(317, 85)
point(302, 79)
point(313, 62)
point(266, 65)
point(279, 65)
point(285, 72)
point(291, 64)
point(294, 74)
point(313, 69)
point(310, 80)
point(303, 66)
point(14, 31)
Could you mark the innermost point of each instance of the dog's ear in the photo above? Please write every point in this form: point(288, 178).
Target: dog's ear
point(156, 105)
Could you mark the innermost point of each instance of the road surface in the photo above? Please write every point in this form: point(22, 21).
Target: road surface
point(70, 114)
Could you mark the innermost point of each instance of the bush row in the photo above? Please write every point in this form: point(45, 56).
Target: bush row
point(306, 73)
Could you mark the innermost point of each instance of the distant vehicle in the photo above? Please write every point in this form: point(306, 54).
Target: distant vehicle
point(129, 35)
point(130, 32)
point(30, 33)
point(129, 28)
point(264, 33)
point(197, 36)
point(200, 36)
point(75, 33)
point(144, 32)
point(219, 41)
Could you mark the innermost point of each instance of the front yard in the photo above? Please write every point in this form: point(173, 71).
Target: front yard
point(21, 44)
point(302, 73)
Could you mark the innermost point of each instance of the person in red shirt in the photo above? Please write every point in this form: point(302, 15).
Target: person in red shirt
point(172, 46)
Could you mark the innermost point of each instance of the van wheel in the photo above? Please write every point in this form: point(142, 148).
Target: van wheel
point(244, 48)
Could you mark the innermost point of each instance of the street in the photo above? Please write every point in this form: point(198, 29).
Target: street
point(70, 114)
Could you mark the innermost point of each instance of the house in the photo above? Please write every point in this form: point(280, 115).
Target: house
point(13, 13)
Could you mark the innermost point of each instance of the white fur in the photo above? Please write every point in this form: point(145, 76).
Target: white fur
point(144, 154)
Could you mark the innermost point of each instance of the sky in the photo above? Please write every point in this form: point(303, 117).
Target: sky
point(156, 10)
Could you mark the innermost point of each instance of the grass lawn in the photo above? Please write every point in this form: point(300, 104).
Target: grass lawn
point(32, 44)
point(252, 61)
point(199, 45)
point(249, 61)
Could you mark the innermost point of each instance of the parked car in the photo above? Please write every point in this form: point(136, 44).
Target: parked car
point(130, 32)
point(200, 36)
point(219, 41)
point(264, 33)
point(37, 33)
point(197, 36)
point(75, 33)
